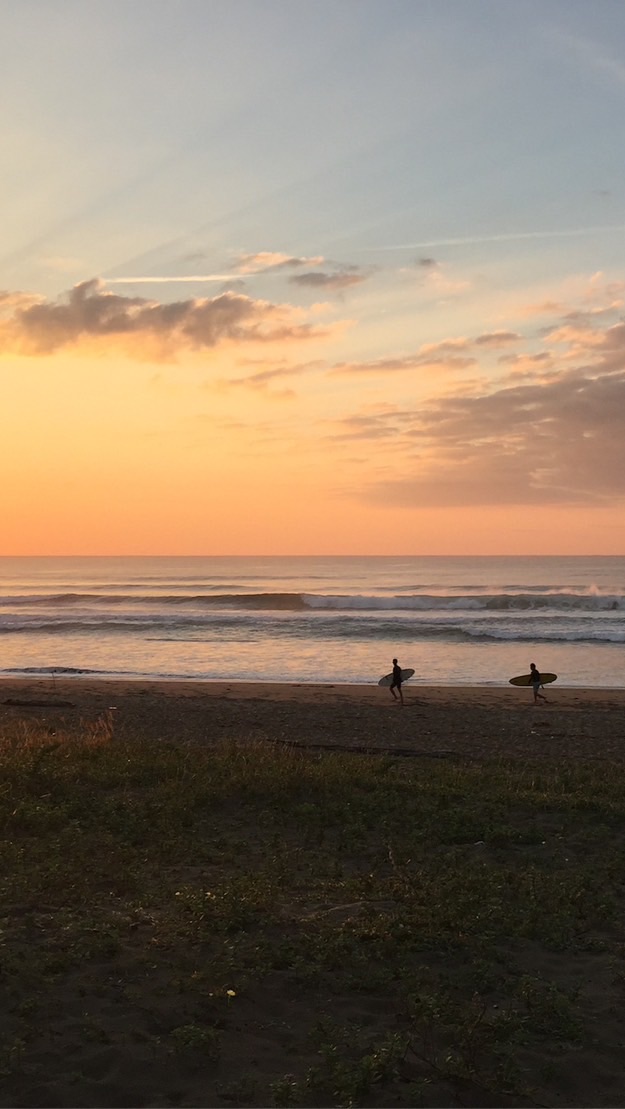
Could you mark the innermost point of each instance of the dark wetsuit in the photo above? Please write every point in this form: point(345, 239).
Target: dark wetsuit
point(536, 682)
point(396, 682)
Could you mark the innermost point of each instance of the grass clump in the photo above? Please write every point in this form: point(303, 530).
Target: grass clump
point(254, 925)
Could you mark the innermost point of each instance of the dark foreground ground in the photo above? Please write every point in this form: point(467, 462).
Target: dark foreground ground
point(195, 911)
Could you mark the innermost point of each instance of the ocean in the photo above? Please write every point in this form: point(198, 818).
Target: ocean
point(315, 619)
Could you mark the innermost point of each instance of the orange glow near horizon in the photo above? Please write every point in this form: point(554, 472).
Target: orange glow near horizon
point(282, 446)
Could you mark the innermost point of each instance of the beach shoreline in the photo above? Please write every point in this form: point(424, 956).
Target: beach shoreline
point(463, 721)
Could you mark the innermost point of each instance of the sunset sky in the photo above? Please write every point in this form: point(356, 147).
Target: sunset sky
point(313, 276)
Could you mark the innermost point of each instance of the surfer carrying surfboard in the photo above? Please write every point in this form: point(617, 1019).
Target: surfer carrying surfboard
point(536, 682)
point(396, 682)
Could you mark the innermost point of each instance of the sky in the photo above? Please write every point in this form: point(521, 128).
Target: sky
point(312, 277)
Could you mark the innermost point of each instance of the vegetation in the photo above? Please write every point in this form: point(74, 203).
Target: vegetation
point(250, 925)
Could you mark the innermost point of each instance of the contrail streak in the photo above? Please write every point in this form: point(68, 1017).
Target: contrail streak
point(513, 236)
point(167, 280)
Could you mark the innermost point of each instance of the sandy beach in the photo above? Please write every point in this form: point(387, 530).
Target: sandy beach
point(461, 721)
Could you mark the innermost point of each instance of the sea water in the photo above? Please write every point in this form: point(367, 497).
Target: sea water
point(317, 619)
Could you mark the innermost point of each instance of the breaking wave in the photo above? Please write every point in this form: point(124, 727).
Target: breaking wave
point(588, 601)
point(332, 626)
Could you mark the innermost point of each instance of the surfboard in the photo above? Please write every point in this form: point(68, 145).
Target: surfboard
point(387, 679)
point(526, 679)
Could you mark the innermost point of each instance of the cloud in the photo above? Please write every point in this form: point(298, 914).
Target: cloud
point(558, 442)
point(390, 423)
point(497, 338)
point(449, 354)
point(546, 433)
point(595, 297)
point(16, 301)
point(582, 339)
point(592, 315)
point(531, 359)
point(247, 265)
point(577, 335)
point(408, 362)
point(89, 314)
point(341, 279)
point(265, 263)
point(535, 366)
point(435, 276)
point(262, 379)
point(542, 308)
point(269, 261)
point(170, 279)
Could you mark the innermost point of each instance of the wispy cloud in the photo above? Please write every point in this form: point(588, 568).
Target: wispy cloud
point(271, 261)
point(533, 366)
point(435, 276)
point(167, 280)
point(192, 278)
point(341, 279)
point(248, 265)
point(261, 380)
point(264, 264)
point(448, 354)
point(497, 338)
point(407, 362)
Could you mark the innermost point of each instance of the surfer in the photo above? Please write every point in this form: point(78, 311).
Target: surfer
point(396, 682)
point(535, 682)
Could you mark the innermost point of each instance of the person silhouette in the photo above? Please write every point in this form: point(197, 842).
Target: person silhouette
point(535, 682)
point(396, 682)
